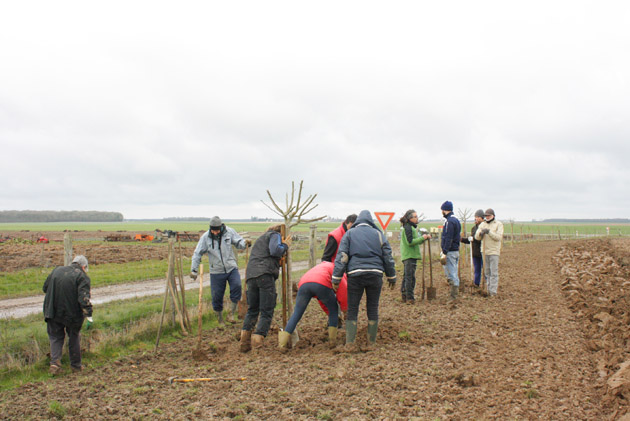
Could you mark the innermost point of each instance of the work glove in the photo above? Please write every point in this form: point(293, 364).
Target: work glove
point(442, 258)
point(90, 323)
point(335, 287)
point(193, 275)
point(485, 231)
point(248, 242)
point(470, 239)
point(392, 283)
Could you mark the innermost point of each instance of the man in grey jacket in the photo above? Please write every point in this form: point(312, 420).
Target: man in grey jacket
point(217, 243)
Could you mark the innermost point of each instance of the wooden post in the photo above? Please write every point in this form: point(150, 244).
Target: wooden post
point(284, 281)
point(311, 246)
point(67, 249)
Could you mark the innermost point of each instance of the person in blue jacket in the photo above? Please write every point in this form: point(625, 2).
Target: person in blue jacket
point(364, 254)
point(450, 246)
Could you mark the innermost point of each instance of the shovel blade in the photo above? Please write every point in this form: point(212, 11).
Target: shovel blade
point(431, 293)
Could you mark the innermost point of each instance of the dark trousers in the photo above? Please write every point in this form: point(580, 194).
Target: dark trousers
point(307, 291)
point(478, 265)
point(408, 285)
point(261, 299)
point(217, 286)
point(56, 336)
point(371, 283)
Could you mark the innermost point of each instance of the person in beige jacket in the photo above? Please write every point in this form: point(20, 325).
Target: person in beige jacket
point(490, 232)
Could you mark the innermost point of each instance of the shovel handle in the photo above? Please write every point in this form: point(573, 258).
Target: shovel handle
point(200, 309)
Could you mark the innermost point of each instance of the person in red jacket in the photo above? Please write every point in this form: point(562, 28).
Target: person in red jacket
point(317, 282)
point(334, 239)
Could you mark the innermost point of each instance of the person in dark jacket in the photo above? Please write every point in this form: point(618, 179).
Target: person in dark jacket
point(364, 254)
point(450, 247)
point(476, 247)
point(263, 269)
point(66, 304)
point(334, 239)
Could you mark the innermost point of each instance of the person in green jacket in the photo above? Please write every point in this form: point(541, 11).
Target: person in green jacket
point(410, 242)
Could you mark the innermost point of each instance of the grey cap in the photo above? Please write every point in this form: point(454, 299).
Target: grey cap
point(490, 211)
point(479, 213)
point(215, 222)
point(81, 260)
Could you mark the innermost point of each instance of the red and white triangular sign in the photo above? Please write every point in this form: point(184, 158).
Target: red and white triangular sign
point(389, 215)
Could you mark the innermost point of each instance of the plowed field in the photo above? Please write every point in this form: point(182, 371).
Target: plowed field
point(544, 349)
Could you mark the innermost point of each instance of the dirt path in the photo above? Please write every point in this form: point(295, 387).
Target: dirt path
point(24, 306)
point(522, 355)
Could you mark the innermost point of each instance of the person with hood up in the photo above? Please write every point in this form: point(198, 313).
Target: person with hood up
point(217, 243)
point(364, 255)
point(476, 246)
point(450, 247)
point(490, 232)
point(410, 242)
point(334, 239)
point(316, 283)
point(66, 304)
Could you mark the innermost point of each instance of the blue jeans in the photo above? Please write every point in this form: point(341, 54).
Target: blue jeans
point(261, 298)
point(477, 264)
point(217, 286)
point(307, 291)
point(369, 282)
point(450, 269)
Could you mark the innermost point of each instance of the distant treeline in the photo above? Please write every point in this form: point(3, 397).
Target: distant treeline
point(589, 221)
point(59, 216)
point(186, 218)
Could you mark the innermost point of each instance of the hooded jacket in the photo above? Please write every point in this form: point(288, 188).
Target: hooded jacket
point(491, 242)
point(364, 249)
point(219, 250)
point(67, 299)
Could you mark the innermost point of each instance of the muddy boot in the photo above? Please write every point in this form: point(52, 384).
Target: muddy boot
point(220, 319)
point(403, 298)
point(283, 340)
point(55, 368)
point(257, 341)
point(372, 329)
point(332, 337)
point(246, 340)
point(232, 316)
point(351, 336)
point(454, 292)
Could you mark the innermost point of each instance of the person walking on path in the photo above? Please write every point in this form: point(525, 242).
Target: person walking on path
point(217, 243)
point(410, 242)
point(317, 283)
point(334, 239)
point(262, 271)
point(450, 247)
point(490, 232)
point(364, 254)
point(66, 304)
point(476, 246)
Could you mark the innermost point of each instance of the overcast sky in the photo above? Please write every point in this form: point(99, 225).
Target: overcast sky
point(158, 109)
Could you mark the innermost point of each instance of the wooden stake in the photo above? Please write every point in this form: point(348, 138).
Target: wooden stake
point(200, 308)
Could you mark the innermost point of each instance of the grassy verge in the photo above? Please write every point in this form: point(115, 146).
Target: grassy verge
point(121, 328)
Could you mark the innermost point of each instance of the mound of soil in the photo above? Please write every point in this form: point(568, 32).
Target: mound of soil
point(18, 256)
point(524, 354)
point(597, 285)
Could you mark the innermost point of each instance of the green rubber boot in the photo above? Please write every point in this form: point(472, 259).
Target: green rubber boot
point(351, 334)
point(372, 330)
point(454, 292)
